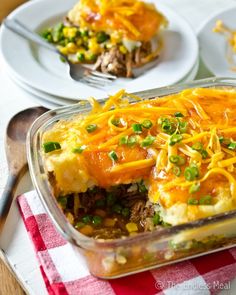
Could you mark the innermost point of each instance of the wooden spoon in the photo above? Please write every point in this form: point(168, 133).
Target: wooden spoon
point(16, 155)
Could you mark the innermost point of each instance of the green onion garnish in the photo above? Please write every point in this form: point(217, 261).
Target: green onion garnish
point(79, 150)
point(116, 122)
point(192, 201)
point(91, 128)
point(100, 203)
point(148, 141)
point(123, 140)
point(178, 160)
point(137, 128)
point(204, 154)
point(232, 146)
point(224, 140)
point(174, 159)
point(80, 56)
point(176, 170)
point(175, 138)
point(113, 156)
point(132, 140)
point(194, 188)
point(147, 124)
point(51, 146)
point(190, 173)
point(206, 200)
point(198, 146)
point(178, 115)
point(183, 127)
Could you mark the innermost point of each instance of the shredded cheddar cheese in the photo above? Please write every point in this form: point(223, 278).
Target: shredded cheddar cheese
point(176, 144)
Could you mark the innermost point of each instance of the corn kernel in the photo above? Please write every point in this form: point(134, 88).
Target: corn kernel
point(131, 227)
point(94, 46)
point(71, 47)
point(121, 259)
point(63, 50)
point(123, 49)
point(69, 32)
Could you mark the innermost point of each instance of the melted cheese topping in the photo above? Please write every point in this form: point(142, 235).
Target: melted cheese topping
point(208, 115)
point(132, 19)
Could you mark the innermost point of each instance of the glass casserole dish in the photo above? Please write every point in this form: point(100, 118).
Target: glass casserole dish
point(146, 250)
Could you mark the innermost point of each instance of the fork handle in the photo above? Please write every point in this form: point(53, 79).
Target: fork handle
point(20, 29)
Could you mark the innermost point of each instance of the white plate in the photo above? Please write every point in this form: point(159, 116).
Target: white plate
point(51, 101)
point(213, 45)
point(43, 70)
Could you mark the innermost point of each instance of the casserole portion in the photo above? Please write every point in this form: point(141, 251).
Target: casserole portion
point(115, 36)
point(126, 168)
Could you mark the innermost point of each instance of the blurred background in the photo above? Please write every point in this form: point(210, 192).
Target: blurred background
point(6, 6)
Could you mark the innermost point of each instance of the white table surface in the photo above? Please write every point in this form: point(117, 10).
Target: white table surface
point(13, 100)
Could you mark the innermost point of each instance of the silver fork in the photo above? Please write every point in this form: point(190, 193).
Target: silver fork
point(78, 72)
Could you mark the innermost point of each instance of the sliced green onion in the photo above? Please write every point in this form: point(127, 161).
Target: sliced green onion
point(125, 212)
point(97, 220)
point(232, 146)
point(156, 219)
point(79, 150)
point(113, 156)
point(197, 146)
point(91, 128)
point(148, 141)
point(62, 201)
point(132, 140)
point(204, 154)
point(176, 170)
point(123, 140)
point(178, 160)
point(194, 188)
point(147, 124)
point(206, 200)
point(62, 59)
point(183, 127)
point(175, 138)
point(190, 173)
point(51, 146)
point(224, 140)
point(116, 122)
point(192, 201)
point(137, 128)
point(174, 159)
point(178, 115)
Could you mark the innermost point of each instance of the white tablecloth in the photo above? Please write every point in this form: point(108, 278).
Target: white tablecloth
point(13, 99)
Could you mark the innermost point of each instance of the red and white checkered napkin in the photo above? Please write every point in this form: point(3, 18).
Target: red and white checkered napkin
point(64, 270)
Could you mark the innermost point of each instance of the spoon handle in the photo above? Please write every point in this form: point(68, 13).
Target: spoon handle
point(8, 194)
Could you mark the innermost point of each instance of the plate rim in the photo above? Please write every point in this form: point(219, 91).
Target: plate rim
point(180, 20)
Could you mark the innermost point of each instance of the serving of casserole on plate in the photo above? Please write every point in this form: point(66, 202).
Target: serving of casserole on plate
point(115, 36)
point(147, 181)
